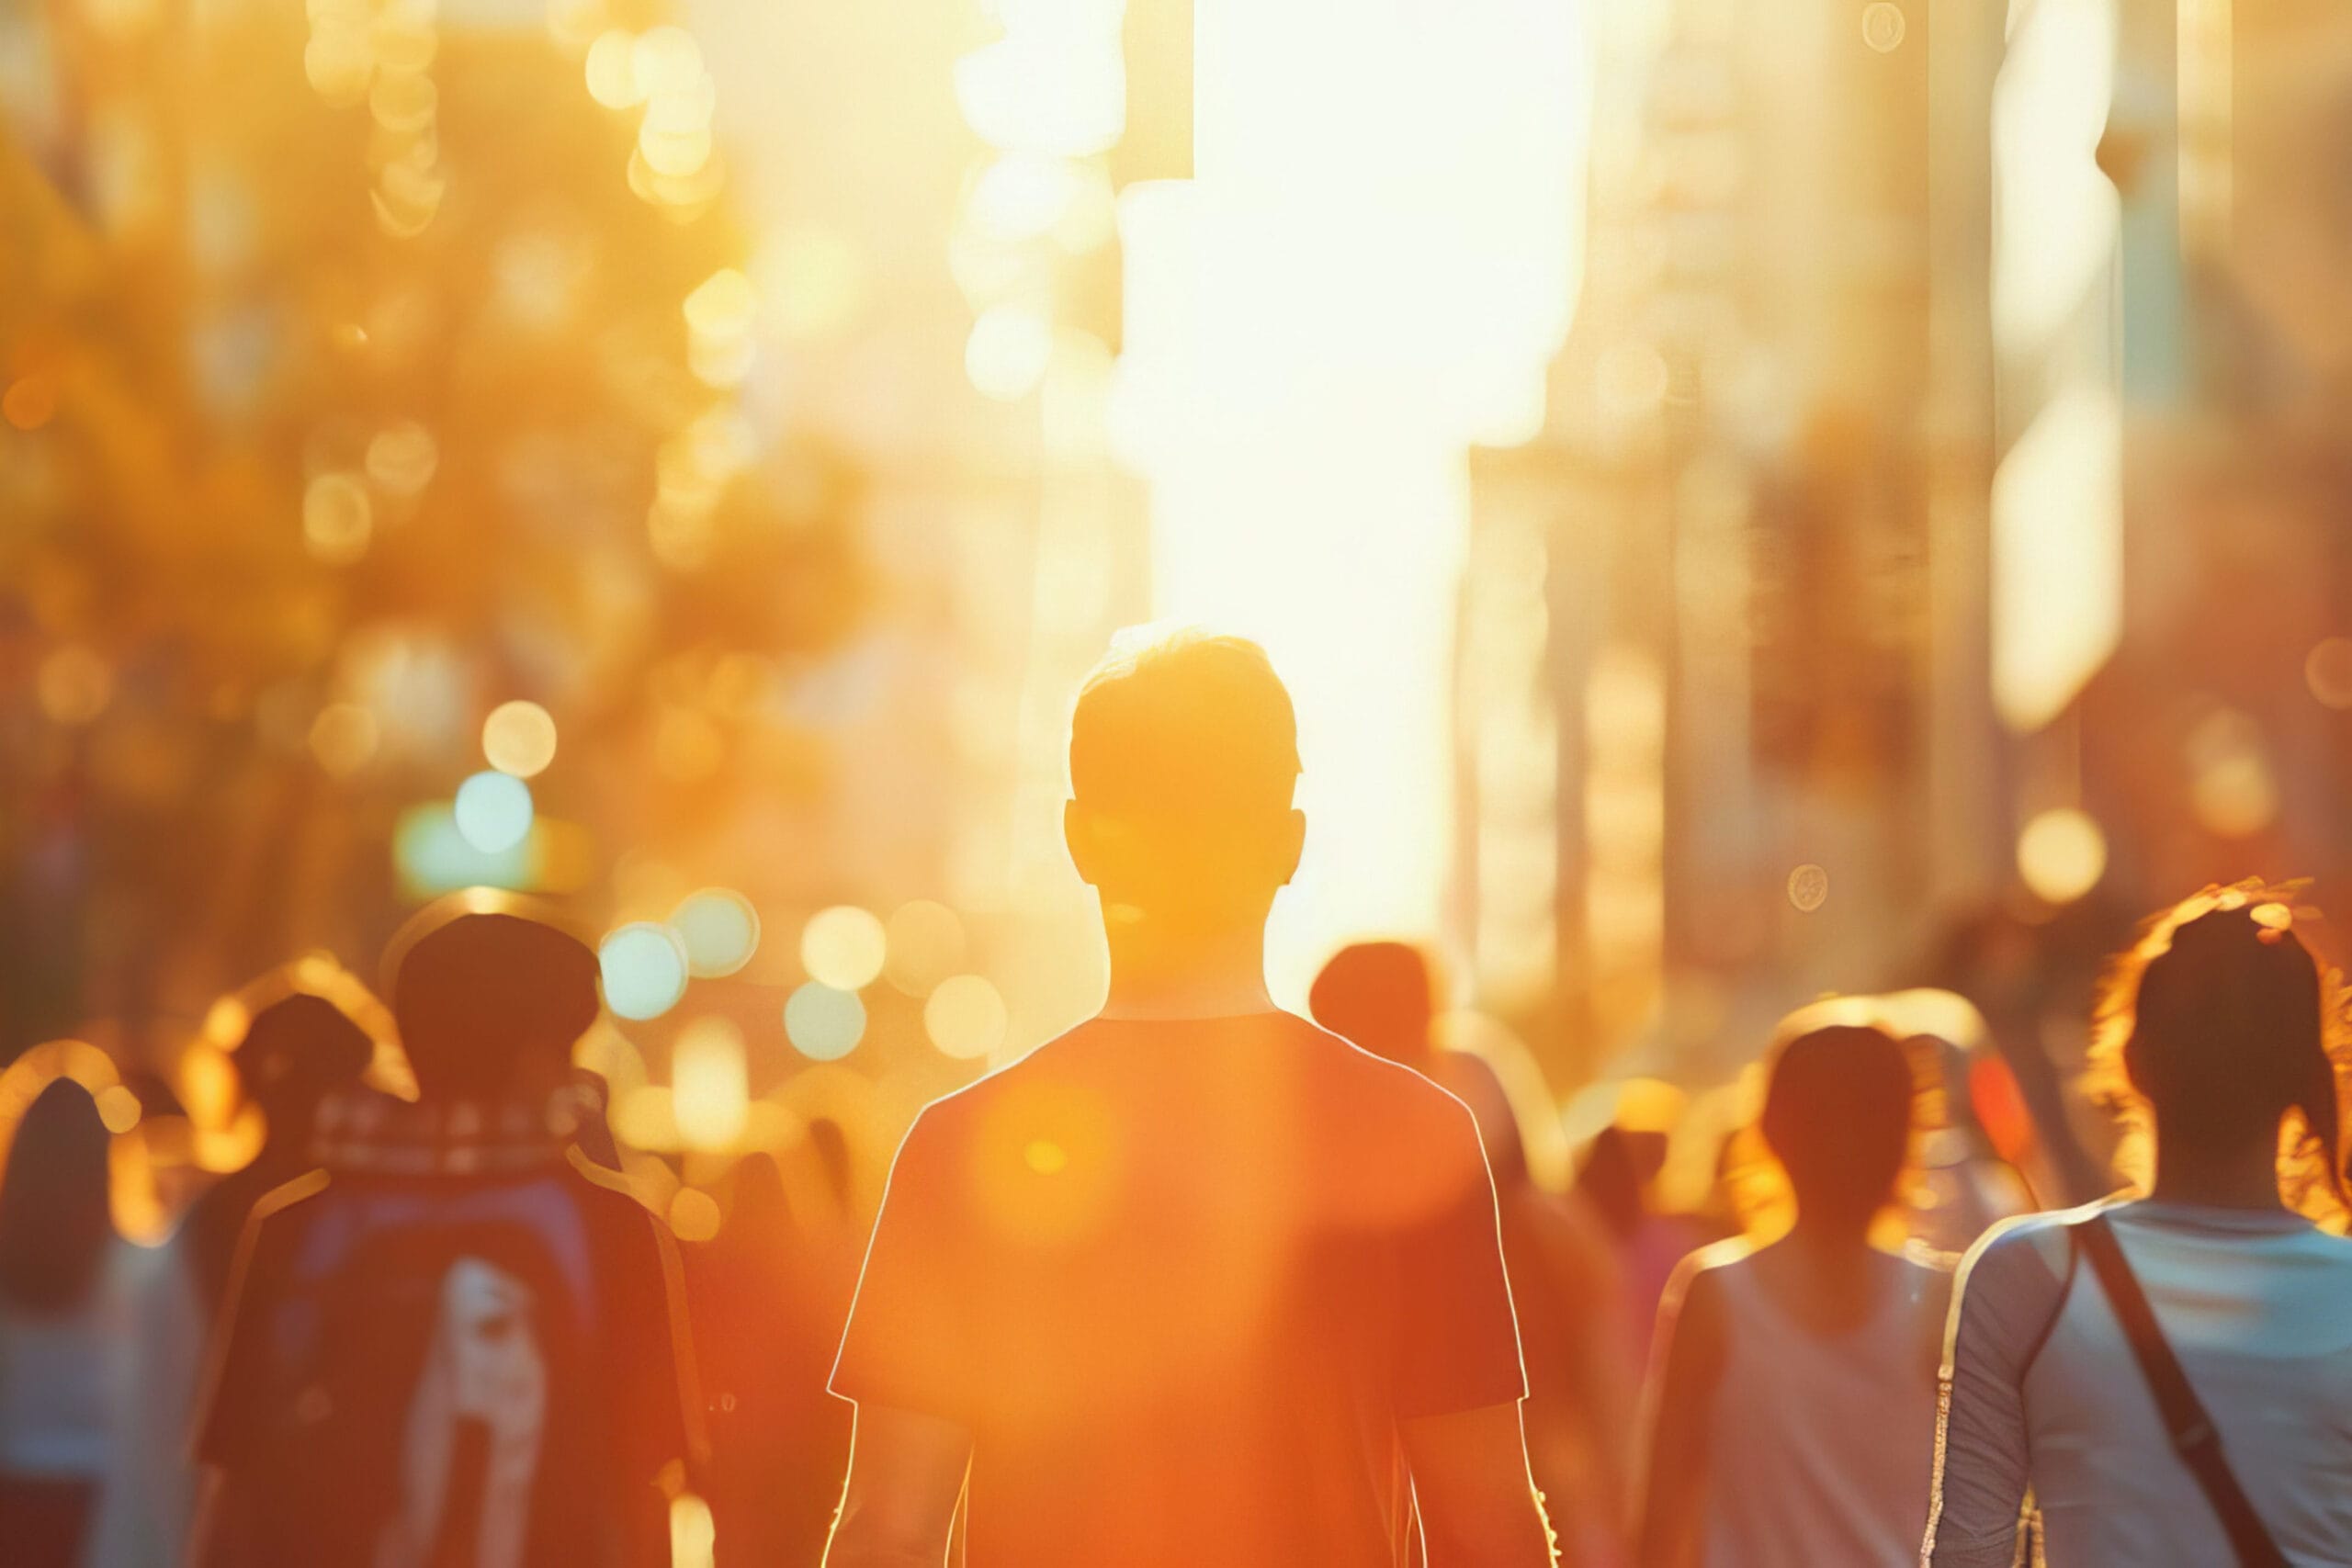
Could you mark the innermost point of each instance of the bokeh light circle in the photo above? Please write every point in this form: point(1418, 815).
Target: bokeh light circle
point(2062, 854)
point(965, 1018)
point(1808, 887)
point(644, 968)
point(494, 811)
point(824, 1024)
point(402, 457)
point(518, 737)
point(844, 947)
point(2328, 672)
point(73, 685)
point(720, 929)
point(925, 942)
point(337, 518)
point(1884, 26)
point(1007, 352)
point(694, 1215)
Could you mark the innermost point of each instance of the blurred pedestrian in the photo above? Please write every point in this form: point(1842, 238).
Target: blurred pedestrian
point(1793, 1396)
point(60, 1268)
point(1583, 1373)
point(771, 1293)
point(1616, 1180)
point(462, 1341)
point(2167, 1376)
point(295, 1052)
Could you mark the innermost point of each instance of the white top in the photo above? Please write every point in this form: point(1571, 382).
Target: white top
point(148, 1499)
point(2257, 1306)
point(1821, 1446)
point(56, 1379)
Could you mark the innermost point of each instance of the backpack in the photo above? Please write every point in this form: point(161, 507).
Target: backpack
point(439, 1373)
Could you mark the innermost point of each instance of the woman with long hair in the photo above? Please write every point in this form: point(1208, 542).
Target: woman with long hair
point(2165, 1379)
point(56, 1238)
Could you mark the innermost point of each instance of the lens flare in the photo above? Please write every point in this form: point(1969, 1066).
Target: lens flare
point(644, 970)
point(494, 811)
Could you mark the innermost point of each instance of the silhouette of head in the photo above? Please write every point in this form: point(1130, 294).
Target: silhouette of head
point(1380, 996)
point(2223, 1018)
point(490, 1003)
point(297, 1051)
point(1614, 1175)
point(1837, 1117)
point(54, 1222)
point(1184, 754)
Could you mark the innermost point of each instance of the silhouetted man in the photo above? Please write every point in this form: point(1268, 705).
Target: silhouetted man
point(458, 1345)
point(1196, 1283)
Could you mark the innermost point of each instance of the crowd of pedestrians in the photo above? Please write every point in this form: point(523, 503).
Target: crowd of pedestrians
point(1201, 1281)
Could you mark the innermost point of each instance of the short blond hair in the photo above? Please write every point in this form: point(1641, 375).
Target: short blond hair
point(1187, 723)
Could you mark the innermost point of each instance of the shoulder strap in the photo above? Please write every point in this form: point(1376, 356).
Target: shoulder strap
point(2057, 1311)
point(2193, 1436)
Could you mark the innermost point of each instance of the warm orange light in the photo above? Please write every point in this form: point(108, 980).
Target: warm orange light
point(965, 1018)
point(710, 1094)
point(2062, 854)
point(844, 947)
point(29, 402)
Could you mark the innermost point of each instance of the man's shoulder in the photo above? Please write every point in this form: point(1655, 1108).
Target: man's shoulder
point(285, 1208)
point(607, 1197)
point(1417, 1104)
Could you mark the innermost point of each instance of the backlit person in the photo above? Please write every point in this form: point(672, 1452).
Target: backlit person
point(2223, 1023)
point(1794, 1398)
point(297, 1051)
point(1195, 1283)
point(1583, 1376)
point(460, 1341)
point(62, 1278)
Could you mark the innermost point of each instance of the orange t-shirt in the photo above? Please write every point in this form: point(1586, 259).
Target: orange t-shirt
point(1180, 1279)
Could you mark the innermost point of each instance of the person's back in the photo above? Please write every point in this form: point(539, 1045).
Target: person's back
point(1575, 1340)
point(1179, 1279)
point(2255, 1304)
point(1821, 1422)
point(1794, 1406)
point(2221, 1021)
point(425, 1358)
point(62, 1278)
point(1197, 1283)
point(458, 1340)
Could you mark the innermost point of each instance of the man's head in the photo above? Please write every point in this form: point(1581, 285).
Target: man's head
point(1377, 995)
point(297, 1051)
point(1837, 1115)
point(1184, 754)
point(490, 1002)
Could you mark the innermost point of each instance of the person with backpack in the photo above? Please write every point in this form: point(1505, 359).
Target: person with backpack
point(2166, 1379)
point(1196, 1282)
point(1793, 1396)
point(460, 1341)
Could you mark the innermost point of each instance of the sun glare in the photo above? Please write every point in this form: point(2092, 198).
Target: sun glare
point(1369, 274)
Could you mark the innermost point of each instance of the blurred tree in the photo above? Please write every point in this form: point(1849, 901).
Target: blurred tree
point(361, 375)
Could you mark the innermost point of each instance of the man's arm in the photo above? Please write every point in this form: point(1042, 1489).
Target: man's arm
point(1478, 1506)
point(906, 1473)
point(1688, 1363)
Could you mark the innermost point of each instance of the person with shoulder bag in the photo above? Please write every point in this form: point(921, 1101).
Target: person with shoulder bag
point(2169, 1378)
